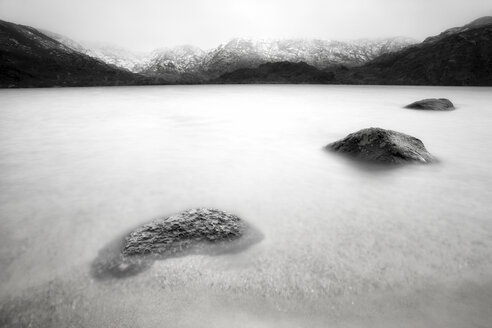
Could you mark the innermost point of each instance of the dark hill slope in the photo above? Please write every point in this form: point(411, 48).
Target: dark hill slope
point(280, 72)
point(480, 22)
point(29, 58)
point(460, 58)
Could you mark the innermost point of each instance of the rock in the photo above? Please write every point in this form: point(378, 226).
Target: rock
point(195, 231)
point(180, 231)
point(432, 104)
point(384, 146)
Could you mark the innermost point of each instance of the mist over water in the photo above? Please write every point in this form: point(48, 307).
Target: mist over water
point(343, 244)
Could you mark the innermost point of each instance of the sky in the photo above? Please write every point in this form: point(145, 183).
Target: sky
point(144, 25)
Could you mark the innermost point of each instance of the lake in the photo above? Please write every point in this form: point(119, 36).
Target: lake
point(345, 244)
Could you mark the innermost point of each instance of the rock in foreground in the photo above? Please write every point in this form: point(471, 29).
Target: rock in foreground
point(180, 231)
point(384, 146)
point(196, 231)
point(432, 104)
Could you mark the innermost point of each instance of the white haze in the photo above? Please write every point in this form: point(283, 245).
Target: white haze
point(149, 24)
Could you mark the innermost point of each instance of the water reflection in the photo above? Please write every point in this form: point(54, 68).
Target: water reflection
point(369, 166)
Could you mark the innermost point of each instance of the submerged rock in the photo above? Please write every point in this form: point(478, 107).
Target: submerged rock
point(195, 231)
point(432, 104)
point(180, 231)
point(384, 146)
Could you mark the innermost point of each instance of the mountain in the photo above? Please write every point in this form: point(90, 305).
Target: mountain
point(278, 72)
point(459, 56)
point(74, 45)
point(108, 53)
point(174, 65)
point(250, 53)
point(482, 21)
point(178, 63)
point(184, 64)
point(29, 58)
point(118, 56)
point(191, 64)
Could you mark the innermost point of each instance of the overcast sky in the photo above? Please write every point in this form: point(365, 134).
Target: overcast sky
point(150, 24)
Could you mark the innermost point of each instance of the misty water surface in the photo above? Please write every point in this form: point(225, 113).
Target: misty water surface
point(344, 244)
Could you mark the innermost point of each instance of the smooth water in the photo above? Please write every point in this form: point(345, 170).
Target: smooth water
point(345, 245)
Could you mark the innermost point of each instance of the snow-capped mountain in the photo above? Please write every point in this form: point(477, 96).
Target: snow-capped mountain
point(458, 56)
point(365, 50)
point(118, 56)
point(193, 62)
point(249, 53)
point(110, 54)
point(181, 59)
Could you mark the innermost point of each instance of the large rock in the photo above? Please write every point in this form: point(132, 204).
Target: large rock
point(432, 104)
point(196, 231)
point(183, 230)
point(380, 145)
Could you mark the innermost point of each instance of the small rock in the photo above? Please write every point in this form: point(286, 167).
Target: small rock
point(384, 146)
point(432, 104)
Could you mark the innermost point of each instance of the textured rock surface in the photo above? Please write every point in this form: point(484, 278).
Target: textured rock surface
point(196, 231)
point(180, 231)
point(380, 145)
point(432, 104)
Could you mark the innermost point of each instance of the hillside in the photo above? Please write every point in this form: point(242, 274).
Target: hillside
point(460, 56)
point(280, 72)
point(108, 53)
point(29, 58)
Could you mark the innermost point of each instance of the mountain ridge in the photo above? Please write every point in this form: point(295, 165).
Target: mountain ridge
point(477, 23)
point(241, 53)
point(461, 56)
point(457, 56)
point(29, 58)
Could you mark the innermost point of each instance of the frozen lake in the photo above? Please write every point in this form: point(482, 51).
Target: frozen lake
point(344, 245)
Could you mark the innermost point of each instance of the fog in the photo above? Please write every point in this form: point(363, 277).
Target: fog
point(150, 24)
